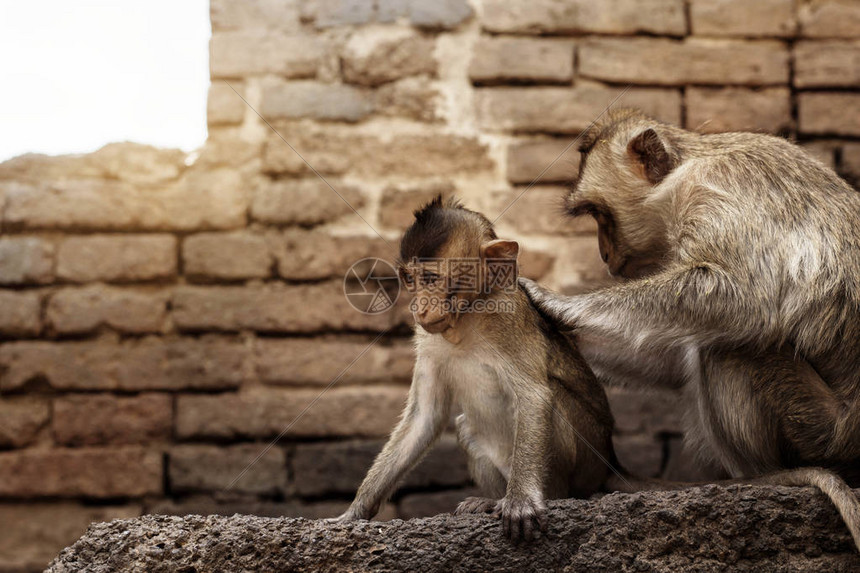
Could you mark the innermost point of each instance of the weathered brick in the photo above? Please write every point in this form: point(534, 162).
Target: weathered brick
point(26, 260)
point(198, 201)
point(439, 15)
point(194, 468)
point(501, 59)
point(330, 13)
point(554, 160)
point(369, 411)
point(38, 531)
point(226, 148)
point(640, 455)
point(312, 255)
point(148, 364)
point(567, 110)
point(305, 201)
point(20, 313)
point(651, 413)
point(739, 109)
point(375, 56)
point(85, 472)
point(117, 258)
point(335, 149)
point(399, 202)
point(824, 64)
point(743, 18)
point(340, 467)
point(429, 504)
point(829, 18)
point(224, 106)
point(414, 98)
point(823, 150)
point(93, 420)
point(229, 256)
point(320, 361)
point(254, 14)
point(851, 161)
point(584, 16)
point(242, 53)
point(691, 61)
point(579, 265)
point(316, 101)
point(534, 264)
point(823, 113)
point(22, 419)
point(539, 210)
point(274, 308)
point(128, 162)
point(87, 309)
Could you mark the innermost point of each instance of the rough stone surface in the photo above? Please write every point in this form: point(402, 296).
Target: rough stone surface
point(739, 109)
point(92, 420)
point(224, 106)
point(314, 255)
point(376, 56)
point(766, 18)
point(227, 256)
point(691, 61)
point(21, 420)
point(316, 101)
point(20, 313)
point(36, 530)
point(527, 60)
point(237, 54)
point(117, 258)
point(824, 113)
point(264, 413)
point(413, 98)
point(704, 529)
point(248, 469)
point(80, 310)
point(254, 14)
point(133, 365)
point(305, 202)
point(829, 18)
point(85, 472)
point(567, 109)
point(553, 160)
point(583, 16)
point(26, 260)
point(294, 361)
point(442, 14)
point(824, 64)
point(273, 308)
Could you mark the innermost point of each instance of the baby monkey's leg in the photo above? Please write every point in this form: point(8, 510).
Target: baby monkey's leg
point(485, 473)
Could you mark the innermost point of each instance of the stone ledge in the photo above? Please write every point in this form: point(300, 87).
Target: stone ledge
point(700, 529)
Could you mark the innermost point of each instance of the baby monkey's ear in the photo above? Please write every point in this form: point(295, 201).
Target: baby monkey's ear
point(500, 249)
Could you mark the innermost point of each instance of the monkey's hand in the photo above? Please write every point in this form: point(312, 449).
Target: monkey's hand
point(476, 505)
point(561, 309)
point(351, 514)
point(522, 517)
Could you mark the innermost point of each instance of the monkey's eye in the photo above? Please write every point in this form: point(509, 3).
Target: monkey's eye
point(407, 278)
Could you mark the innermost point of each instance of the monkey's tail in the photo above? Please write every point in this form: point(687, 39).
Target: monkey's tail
point(829, 482)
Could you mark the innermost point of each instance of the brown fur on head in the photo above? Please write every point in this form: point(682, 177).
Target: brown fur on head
point(445, 230)
point(624, 158)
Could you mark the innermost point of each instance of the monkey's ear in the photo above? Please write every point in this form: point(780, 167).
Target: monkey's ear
point(500, 249)
point(648, 152)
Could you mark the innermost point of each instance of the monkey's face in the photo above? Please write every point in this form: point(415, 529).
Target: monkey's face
point(434, 305)
point(616, 185)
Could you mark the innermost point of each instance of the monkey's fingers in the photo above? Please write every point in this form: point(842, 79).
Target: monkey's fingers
point(475, 505)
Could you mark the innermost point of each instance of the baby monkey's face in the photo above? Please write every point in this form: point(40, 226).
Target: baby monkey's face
point(437, 290)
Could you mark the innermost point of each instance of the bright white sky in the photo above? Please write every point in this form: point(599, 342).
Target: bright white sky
point(76, 74)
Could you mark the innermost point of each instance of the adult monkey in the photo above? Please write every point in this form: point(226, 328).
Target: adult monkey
point(743, 259)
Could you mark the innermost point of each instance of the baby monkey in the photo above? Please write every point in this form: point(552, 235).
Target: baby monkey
point(534, 421)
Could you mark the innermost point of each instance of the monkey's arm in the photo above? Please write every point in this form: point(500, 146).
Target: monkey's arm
point(680, 304)
point(424, 418)
point(523, 510)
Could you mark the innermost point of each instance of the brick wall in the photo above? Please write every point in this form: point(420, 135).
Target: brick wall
point(165, 316)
